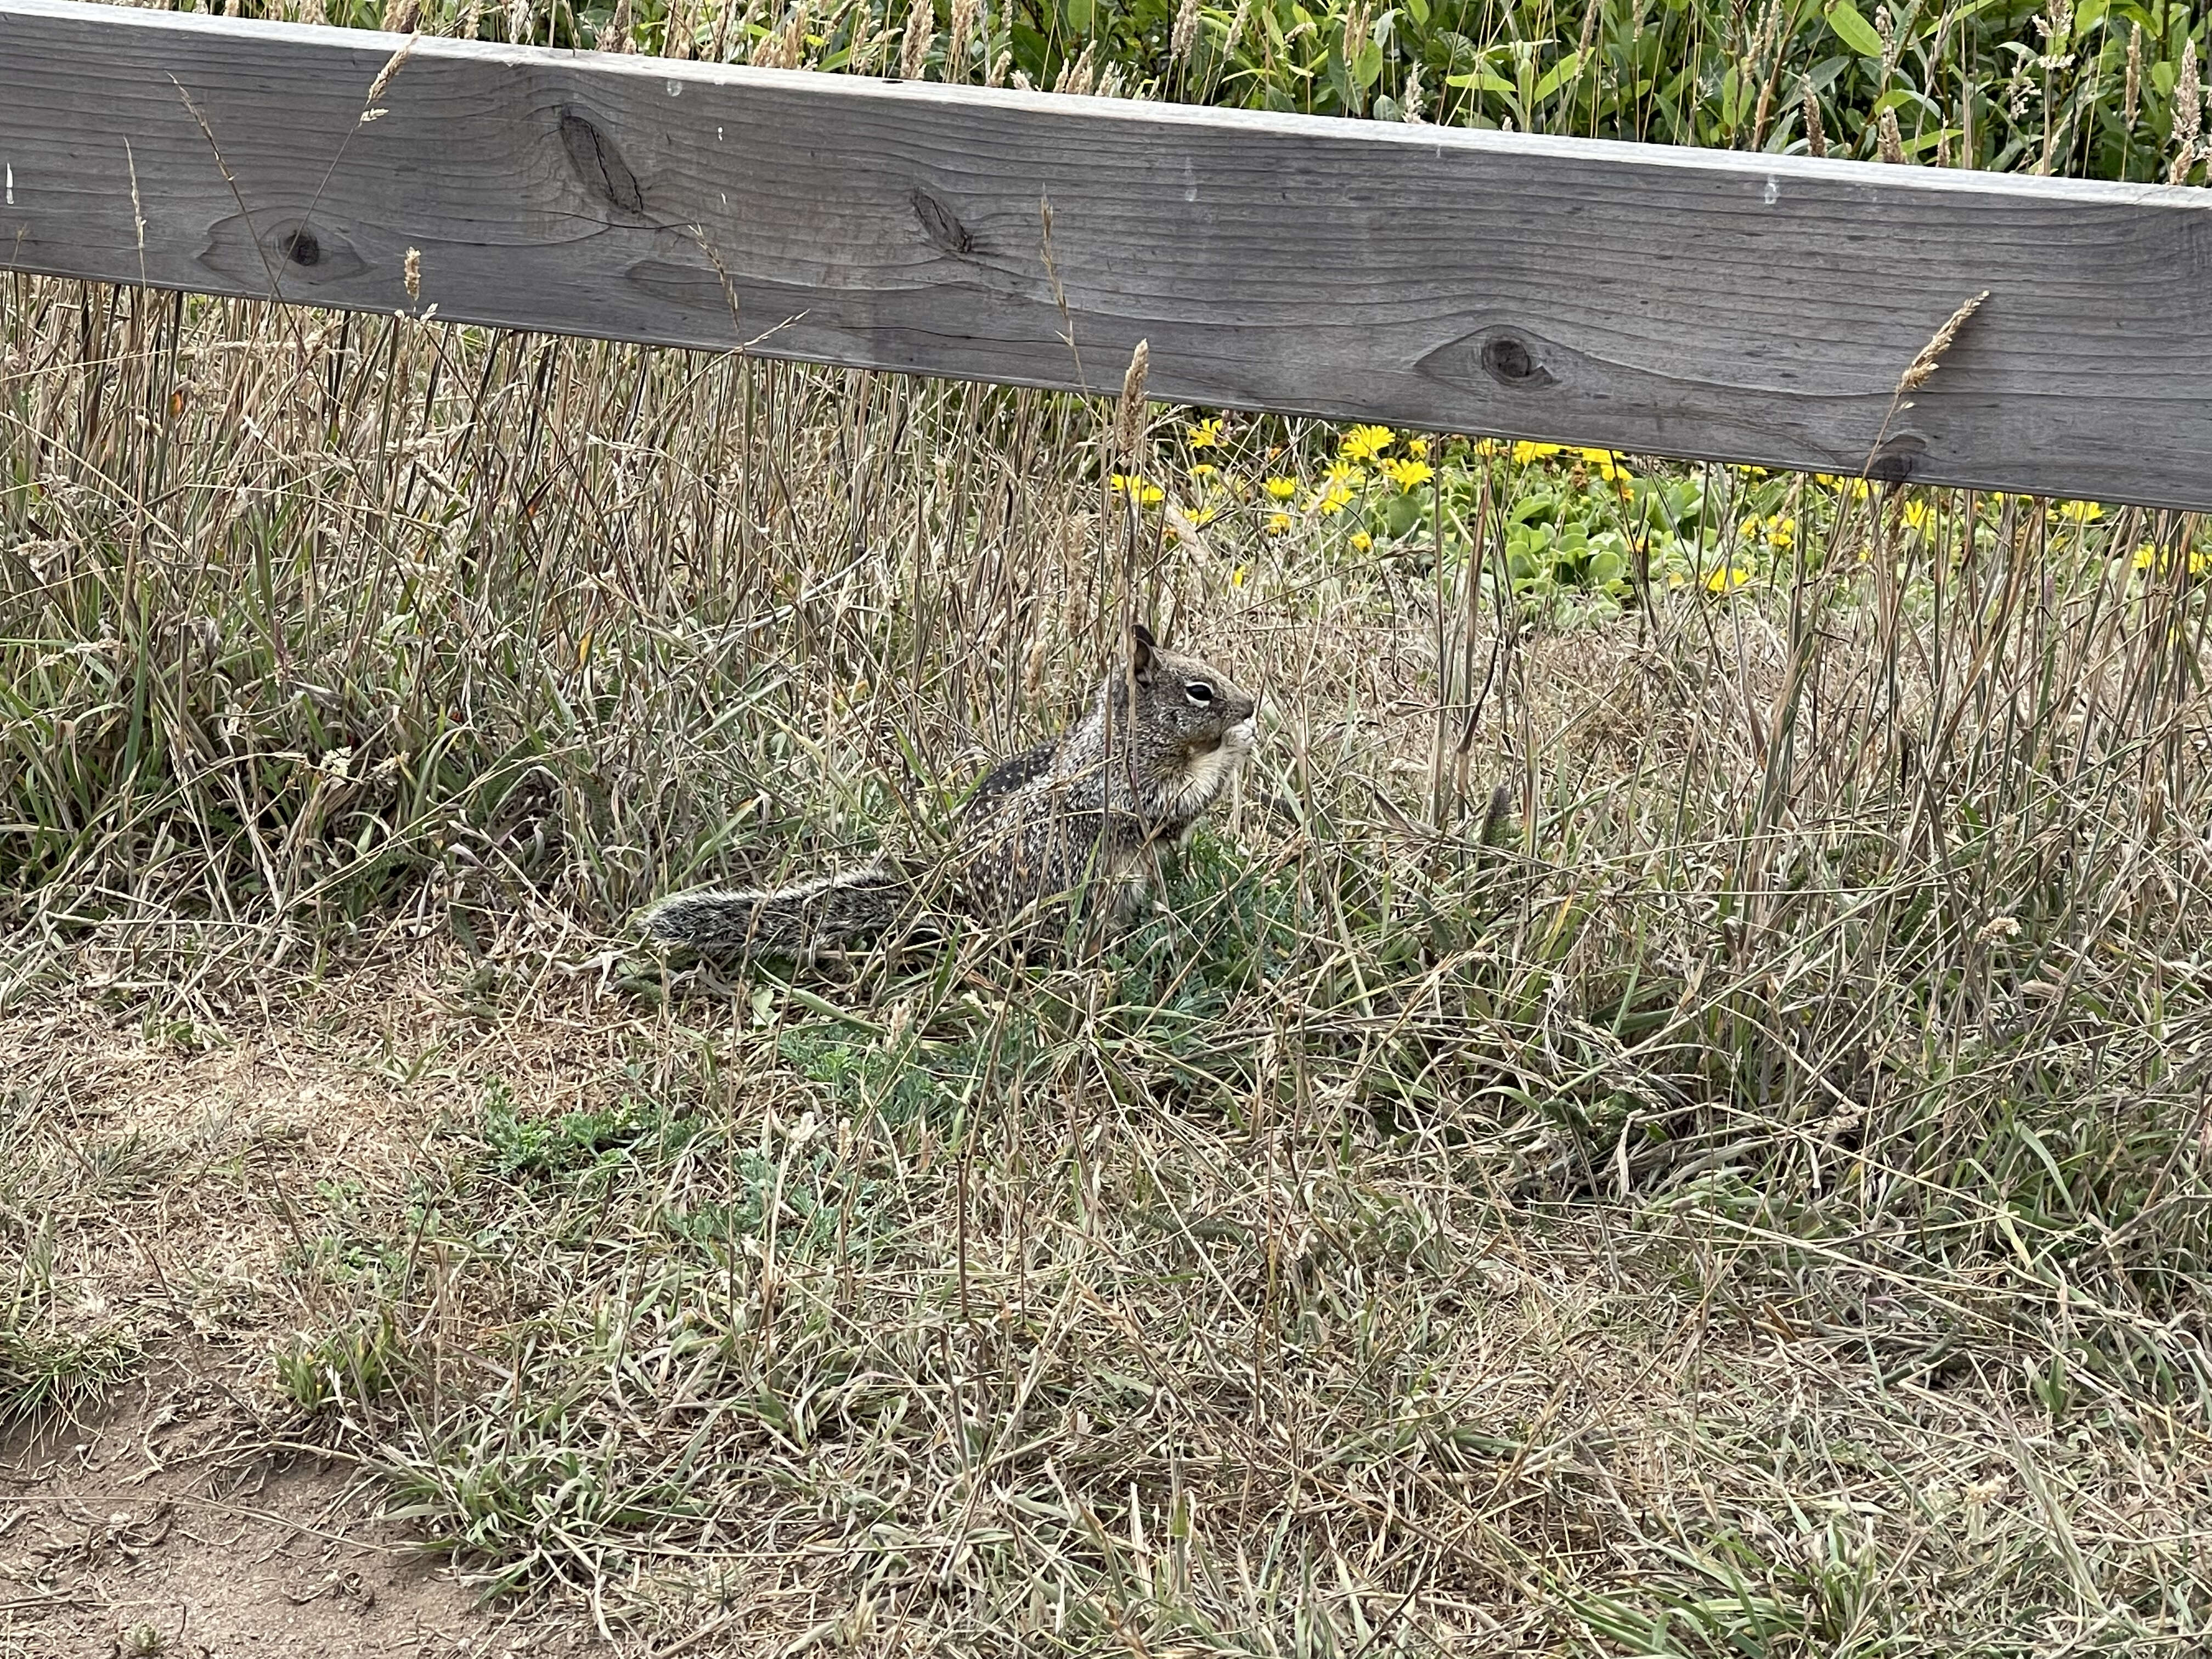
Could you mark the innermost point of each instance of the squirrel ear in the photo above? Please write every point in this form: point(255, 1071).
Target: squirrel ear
point(1145, 645)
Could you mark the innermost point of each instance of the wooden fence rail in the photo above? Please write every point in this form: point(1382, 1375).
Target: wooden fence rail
point(1702, 304)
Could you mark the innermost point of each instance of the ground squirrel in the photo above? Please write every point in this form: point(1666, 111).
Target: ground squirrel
point(1077, 820)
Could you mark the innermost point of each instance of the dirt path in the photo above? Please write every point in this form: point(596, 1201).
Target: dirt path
point(163, 1185)
point(163, 1527)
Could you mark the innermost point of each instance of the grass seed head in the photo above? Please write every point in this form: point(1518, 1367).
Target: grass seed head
point(1412, 101)
point(1237, 24)
point(1129, 417)
point(385, 76)
point(1186, 30)
point(2188, 115)
point(1816, 141)
point(920, 36)
point(963, 33)
point(1930, 355)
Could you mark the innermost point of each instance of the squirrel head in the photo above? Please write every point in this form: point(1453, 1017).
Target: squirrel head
point(1181, 704)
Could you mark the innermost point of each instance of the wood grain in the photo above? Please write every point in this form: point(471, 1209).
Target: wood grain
point(1694, 303)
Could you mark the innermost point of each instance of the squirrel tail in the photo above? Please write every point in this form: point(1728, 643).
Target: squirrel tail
point(785, 921)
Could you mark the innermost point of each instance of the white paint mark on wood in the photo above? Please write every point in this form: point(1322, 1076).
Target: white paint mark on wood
point(1772, 193)
point(1189, 180)
point(11, 185)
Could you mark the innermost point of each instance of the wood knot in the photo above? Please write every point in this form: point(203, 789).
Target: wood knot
point(296, 254)
point(1488, 357)
point(1507, 359)
point(942, 225)
point(599, 164)
point(1897, 457)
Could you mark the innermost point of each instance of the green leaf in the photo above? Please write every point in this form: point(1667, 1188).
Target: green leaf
point(1568, 69)
point(1853, 30)
point(1080, 14)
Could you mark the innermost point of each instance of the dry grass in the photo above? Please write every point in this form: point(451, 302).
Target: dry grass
point(1738, 1187)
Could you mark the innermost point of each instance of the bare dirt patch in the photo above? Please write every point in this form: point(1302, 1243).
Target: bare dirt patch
point(181, 1171)
point(169, 1525)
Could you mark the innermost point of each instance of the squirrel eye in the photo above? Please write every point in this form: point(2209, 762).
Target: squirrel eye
point(1198, 691)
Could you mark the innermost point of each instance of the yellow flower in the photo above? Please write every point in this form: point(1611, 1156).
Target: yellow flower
point(1361, 541)
point(1125, 484)
point(1407, 474)
point(1917, 516)
point(1282, 489)
point(1601, 462)
point(2081, 512)
point(1279, 523)
point(1364, 443)
point(1204, 469)
point(1205, 434)
point(1335, 498)
point(1525, 452)
point(1202, 516)
point(1236, 576)
point(1418, 448)
point(1735, 576)
point(1343, 472)
point(1781, 532)
point(1827, 480)
point(2199, 562)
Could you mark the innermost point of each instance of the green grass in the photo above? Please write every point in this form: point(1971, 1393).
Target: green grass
point(2094, 89)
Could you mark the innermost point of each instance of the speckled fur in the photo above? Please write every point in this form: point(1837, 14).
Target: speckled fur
point(1069, 829)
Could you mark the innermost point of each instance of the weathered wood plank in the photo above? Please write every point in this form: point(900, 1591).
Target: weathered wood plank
point(1692, 303)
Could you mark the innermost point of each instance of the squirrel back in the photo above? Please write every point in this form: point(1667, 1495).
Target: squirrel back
point(1076, 820)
